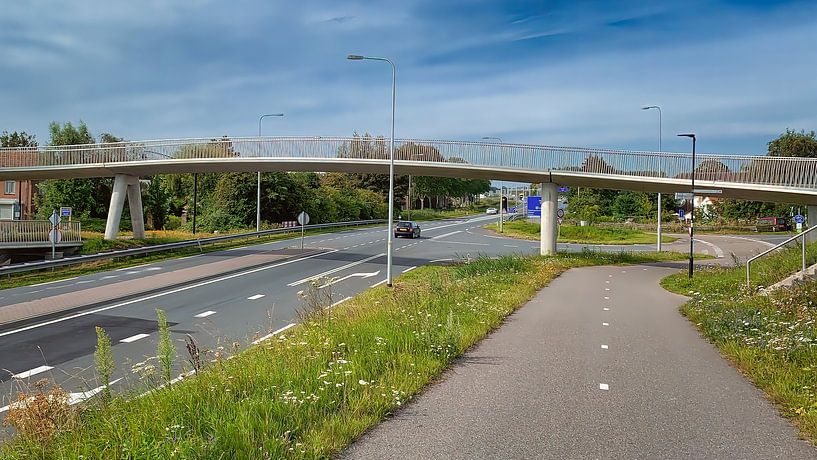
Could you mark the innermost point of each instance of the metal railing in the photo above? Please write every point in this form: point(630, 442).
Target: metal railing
point(48, 264)
point(784, 243)
point(20, 233)
point(799, 173)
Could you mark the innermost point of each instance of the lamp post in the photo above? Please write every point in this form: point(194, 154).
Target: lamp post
point(692, 212)
point(390, 229)
point(660, 130)
point(501, 183)
point(258, 190)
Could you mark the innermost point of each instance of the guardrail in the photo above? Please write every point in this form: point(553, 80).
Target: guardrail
point(43, 265)
point(800, 173)
point(24, 233)
point(784, 243)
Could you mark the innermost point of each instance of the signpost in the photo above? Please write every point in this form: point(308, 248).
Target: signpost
point(560, 213)
point(55, 236)
point(681, 213)
point(303, 219)
point(799, 220)
point(535, 206)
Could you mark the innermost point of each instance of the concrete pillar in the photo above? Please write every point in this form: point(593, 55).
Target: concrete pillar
point(125, 186)
point(812, 222)
point(548, 225)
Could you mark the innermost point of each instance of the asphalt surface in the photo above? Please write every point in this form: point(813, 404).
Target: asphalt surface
point(599, 364)
point(226, 304)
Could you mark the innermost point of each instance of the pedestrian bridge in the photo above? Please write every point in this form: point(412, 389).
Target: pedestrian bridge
point(780, 179)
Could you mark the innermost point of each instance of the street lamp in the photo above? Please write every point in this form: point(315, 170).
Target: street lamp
point(660, 130)
point(692, 215)
point(390, 229)
point(501, 183)
point(258, 191)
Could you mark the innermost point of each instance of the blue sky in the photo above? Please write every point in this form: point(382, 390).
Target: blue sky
point(569, 73)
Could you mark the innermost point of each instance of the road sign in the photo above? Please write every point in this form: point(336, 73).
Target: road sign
point(55, 219)
point(65, 211)
point(707, 191)
point(55, 235)
point(512, 210)
point(303, 218)
point(799, 219)
point(683, 196)
point(681, 213)
point(563, 189)
point(559, 221)
point(535, 206)
point(560, 213)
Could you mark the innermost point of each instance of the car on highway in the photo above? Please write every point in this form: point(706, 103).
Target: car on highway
point(491, 211)
point(772, 224)
point(407, 228)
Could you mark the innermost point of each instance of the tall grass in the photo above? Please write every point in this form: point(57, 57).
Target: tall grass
point(581, 235)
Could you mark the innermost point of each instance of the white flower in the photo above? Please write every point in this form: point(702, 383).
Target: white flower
point(362, 382)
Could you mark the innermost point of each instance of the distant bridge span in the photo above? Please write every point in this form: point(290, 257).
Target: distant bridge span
point(780, 179)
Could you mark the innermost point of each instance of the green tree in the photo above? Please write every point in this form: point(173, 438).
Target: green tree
point(17, 139)
point(794, 144)
point(156, 203)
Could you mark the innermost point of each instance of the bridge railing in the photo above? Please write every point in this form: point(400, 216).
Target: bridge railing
point(747, 169)
point(21, 233)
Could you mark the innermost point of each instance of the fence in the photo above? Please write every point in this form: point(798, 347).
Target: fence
point(35, 233)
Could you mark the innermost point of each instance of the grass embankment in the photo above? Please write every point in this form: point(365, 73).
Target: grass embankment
point(312, 390)
point(771, 339)
point(581, 235)
point(157, 237)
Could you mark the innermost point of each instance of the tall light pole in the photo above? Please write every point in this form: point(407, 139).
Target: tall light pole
point(692, 215)
point(660, 131)
point(390, 229)
point(258, 191)
point(501, 183)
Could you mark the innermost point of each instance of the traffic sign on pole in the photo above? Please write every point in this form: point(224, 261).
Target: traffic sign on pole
point(799, 219)
point(303, 219)
point(681, 213)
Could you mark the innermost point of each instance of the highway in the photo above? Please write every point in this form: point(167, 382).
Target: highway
point(221, 298)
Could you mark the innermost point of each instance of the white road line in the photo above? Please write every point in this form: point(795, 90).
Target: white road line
point(84, 281)
point(256, 296)
point(606, 298)
point(52, 282)
point(607, 282)
point(162, 294)
point(605, 324)
point(606, 309)
point(151, 269)
point(510, 246)
point(338, 302)
point(107, 277)
point(205, 314)
point(134, 338)
point(30, 372)
point(409, 269)
point(273, 333)
point(604, 347)
point(446, 234)
point(440, 260)
point(606, 289)
point(378, 283)
point(771, 245)
point(604, 386)
point(334, 270)
point(718, 251)
point(131, 268)
point(236, 249)
point(35, 291)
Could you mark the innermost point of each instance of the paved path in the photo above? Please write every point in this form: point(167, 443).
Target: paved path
point(566, 378)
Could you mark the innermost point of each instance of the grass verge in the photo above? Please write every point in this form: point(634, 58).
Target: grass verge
point(524, 229)
point(311, 391)
point(771, 339)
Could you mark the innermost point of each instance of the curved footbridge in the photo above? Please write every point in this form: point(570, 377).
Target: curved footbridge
point(776, 179)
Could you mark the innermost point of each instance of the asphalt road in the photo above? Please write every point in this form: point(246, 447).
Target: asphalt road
point(228, 301)
point(599, 364)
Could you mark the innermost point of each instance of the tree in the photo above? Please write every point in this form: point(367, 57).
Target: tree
point(794, 144)
point(17, 139)
point(156, 203)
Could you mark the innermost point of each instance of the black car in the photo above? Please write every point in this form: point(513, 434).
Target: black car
point(407, 228)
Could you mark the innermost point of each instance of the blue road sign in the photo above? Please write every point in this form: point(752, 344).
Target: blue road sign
point(512, 210)
point(681, 213)
point(535, 206)
point(564, 189)
point(799, 219)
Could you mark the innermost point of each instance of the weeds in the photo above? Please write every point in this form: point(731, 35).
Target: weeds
point(103, 358)
point(165, 352)
point(41, 414)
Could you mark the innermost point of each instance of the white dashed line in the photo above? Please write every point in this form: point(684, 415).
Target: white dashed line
point(205, 314)
point(107, 277)
point(131, 268)
point(52, 282)
point(606, 289)
point(409, 269)
point(605, 324)
point(84, 282)
point(604, 386)
point(256, 296)
point(606, 298)
point(30, 372)
point(606, 309)
point(604, 347)
point(134, 338)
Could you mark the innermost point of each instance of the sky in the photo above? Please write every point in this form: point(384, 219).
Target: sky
point(563, 73)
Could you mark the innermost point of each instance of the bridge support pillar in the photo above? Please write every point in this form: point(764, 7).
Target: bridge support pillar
point(812, 221)
point(548, 226)
point(125, 186)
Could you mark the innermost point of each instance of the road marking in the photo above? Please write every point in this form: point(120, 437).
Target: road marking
point(440, 260)
point(236, 249)
point(273, 333)
point(605, 324)
point(84, 282)
point(361, 275)
point(338, 302)
point(256, 297)
point(409, 269)
point(30, 372)
point(127, 273)
point(107, 277)
point(335, 270)
point(205, 314)
point(607, 282)
point(134, 338)
point(151, 269)
point(378, 283)
point(52, 282)
point(604, 347)
point(131, 268)
point(162, 294)
point(604, 386)
point(510, 246)
point(446, 234)
point(718, 251)
point(606, 289)
point(35, 291)
point(609, 276)
point(606, 309)
point(606, 298)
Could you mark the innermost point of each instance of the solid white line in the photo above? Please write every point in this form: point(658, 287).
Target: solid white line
point(409, 269)
point(30, 372)
point(273, 333)
point(510, 246)
point(718, 251)
point(334, 270)
point(440, 260)
point(162, 294)
point(131, 268)
point(606, 289)
point(256, 297)
point(606, 309)
point(52, 282)
point(134, 338)
point(605, 324)
point(338, 302)
point(446, 234)
point(604, 386)
point(378, 283)
point(205, 314)
point(604, 347)
point(107, 277)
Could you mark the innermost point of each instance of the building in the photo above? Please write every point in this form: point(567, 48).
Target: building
point(17, 200)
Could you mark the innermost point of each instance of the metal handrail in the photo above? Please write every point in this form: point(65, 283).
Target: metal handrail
point(37, 231)
point(803, 254)
point(33, 266)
